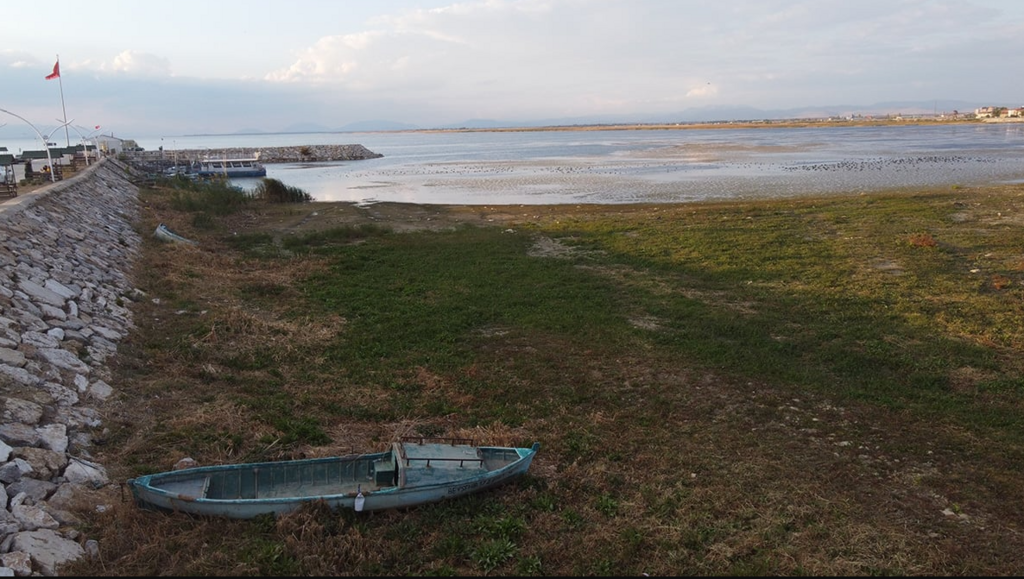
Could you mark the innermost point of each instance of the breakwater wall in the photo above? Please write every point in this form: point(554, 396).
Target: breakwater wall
point(66, 253)
point(292, 154)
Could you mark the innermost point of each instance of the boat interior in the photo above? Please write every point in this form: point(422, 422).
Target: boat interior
point(411, 462)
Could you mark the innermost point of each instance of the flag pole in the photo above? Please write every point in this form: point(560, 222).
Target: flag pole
point(60, 81)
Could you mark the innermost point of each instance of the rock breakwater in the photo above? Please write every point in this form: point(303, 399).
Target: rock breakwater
point(66, 253)
point(292, 154)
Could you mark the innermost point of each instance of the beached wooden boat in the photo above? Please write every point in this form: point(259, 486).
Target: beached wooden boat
point(414, 471)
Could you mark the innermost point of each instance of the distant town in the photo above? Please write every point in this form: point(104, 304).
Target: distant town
point(998, 112)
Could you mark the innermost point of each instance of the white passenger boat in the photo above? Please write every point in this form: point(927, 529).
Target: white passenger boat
point(231, 167)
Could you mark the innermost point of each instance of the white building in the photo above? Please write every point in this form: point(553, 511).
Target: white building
point(111, 145)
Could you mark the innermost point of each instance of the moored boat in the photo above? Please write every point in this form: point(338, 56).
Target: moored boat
point(231, 167)
point(414, 471)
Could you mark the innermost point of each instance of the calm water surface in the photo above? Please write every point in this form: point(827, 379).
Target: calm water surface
point(646, 166)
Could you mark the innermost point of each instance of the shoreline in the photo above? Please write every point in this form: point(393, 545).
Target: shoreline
point(747, 124)
point(743, 124)
point(711, 165)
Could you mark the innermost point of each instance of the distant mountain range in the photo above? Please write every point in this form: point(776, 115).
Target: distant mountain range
point(691, 115)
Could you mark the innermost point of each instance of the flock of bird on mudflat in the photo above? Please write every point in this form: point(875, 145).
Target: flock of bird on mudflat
point(641, 180)
point(614, 168)
point(888, 163)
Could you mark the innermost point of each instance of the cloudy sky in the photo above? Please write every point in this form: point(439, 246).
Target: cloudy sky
point(144, 68)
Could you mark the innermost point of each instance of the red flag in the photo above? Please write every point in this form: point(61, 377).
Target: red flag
point(56, 71)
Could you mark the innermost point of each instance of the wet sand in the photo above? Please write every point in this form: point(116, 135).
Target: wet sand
point(684, 173)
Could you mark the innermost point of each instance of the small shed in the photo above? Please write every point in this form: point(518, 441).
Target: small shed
point(8, 181)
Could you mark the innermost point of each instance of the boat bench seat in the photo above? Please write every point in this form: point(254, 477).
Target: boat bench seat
point(385, 474)
point(193, 488)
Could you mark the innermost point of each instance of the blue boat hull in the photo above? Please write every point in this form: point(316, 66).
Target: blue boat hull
point(410, 474)
point(234, 174)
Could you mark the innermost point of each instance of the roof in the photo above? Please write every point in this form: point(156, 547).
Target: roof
point(218, 160)
point(54, 152)
point(6, 159)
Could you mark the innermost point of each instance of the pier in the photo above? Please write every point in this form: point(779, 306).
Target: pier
point(294, 154)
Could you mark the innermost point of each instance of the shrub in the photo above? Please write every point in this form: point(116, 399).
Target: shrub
point(922, 240)
point(215, 196)
point(274, 191)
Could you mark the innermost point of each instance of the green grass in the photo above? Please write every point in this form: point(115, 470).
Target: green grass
point(796, 292)
point(765, 388)
point(792, 293)
point(423, 298)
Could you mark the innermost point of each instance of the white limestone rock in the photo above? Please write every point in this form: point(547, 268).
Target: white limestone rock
point(47, 549)
point(45, 463)
point(23, 411)
point(63, 359)
point(18, 562)
point(11, 357)
point(81, 383)
point(60, 289)
point(39, 339)
point(39, 293)
point(100, 390)
point(17, 434)
point(54, 437)
point(9, 472)
point(85, 473)
point(60, 394)
point(19, 375)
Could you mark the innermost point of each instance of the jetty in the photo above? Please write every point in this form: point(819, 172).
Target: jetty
point(164, 158)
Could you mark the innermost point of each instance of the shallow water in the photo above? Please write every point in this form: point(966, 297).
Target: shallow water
point(662, 166)
point(656, 166)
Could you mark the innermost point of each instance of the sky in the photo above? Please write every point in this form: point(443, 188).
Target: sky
point(143, 68)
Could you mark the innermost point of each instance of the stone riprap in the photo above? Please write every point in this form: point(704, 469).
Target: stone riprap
point(66, 253)
point(294, 154)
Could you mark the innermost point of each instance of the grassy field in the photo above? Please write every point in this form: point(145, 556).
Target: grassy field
point(814, 386)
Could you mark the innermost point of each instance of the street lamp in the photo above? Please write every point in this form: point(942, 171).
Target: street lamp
point(85, 146)
point(45, 140)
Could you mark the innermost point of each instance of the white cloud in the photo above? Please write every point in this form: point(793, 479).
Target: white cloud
point(20, 59)
point(331, 59)
point(704, 91)
point(139, 63)
point(497, 55)
point(511, 60)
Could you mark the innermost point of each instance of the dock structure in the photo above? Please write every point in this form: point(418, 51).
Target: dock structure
point(291, 154)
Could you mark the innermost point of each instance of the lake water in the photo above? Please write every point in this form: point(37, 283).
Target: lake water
point(639, 166)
